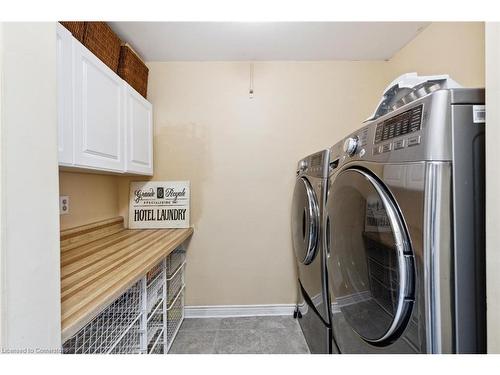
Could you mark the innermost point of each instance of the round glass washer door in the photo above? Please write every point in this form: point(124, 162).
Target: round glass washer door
point(369, 257)
point(305, 221)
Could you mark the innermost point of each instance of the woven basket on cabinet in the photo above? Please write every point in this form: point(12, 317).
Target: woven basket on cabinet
point(76, 28)
point(104, 43)
point(133, 70)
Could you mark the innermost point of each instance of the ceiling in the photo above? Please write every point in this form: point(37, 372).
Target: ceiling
point(247, 41)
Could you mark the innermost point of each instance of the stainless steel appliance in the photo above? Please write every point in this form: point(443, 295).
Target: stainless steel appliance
point(307, 233)
point(405, 237)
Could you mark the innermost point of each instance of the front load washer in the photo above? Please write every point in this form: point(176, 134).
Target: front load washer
point(307, 233)
point(405, 238)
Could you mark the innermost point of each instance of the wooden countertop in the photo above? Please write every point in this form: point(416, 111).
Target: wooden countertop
point(100, 261)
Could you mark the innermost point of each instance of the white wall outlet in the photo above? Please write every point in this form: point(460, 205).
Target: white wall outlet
point(63, 205)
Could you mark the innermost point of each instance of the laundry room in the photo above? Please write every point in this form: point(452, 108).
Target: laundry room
point(248, 187)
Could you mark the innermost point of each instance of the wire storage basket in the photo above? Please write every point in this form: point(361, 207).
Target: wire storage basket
point(144, 319)
point(175, 265)
point(115, 330)
point(176, 259)
point(175, 316)
point(155, 284)
point(155, 331)
point(175, 283)
point(155, 309)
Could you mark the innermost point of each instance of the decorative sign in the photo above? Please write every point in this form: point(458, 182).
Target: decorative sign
point(159, 204)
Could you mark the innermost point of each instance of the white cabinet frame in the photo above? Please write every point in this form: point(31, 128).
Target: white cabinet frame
point(103, 123)
point(99, 113)
point(65, 83)
point(139, 135)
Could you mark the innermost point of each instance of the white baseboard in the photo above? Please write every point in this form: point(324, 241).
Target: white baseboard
point(229, 311)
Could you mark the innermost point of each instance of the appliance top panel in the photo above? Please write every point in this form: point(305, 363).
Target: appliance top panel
point(418, 131)
point(315, 165)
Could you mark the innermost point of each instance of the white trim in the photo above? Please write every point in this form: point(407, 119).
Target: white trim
point(228, 311)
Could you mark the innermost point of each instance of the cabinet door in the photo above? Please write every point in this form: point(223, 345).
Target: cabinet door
point(64, 66)
point(99, 114)
point(139, 138)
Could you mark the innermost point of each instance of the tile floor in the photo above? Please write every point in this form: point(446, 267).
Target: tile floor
point(252, 335)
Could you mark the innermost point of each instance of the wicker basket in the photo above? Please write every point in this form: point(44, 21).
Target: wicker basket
point(133, 70)
point(76, 28)
point(103, 42)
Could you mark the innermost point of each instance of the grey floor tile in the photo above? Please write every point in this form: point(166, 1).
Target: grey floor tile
point(201, 324)
point(238, 341)
point(194, 342)
point(283, 341)
point(239, 323)
point(270, 322)
point(267, 334)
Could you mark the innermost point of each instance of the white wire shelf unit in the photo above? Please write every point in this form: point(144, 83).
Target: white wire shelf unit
point(175, 266)
point(145, 319)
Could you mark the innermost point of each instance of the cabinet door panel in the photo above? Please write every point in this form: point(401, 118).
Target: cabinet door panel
point(64, 66)
point(139, 133)
point(99, 122)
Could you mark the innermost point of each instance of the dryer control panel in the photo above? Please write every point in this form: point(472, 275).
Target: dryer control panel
point(407, 122)
point(401, 126)
point(418, 131)
point(315, 165)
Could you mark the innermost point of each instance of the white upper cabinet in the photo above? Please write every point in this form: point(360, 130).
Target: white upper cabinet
point(99, 113)
point(139, 136)
point(64, 60)
point(104, 124)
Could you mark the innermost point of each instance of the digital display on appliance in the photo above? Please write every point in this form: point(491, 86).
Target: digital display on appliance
point(404, 123)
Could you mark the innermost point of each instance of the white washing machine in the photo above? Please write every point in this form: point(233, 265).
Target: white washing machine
point(307, 233)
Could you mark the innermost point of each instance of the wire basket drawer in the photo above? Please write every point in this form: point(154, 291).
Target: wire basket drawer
point(144, 319)
point(129, 343)
point(155, 283)
point(174, 261)
point(175, 316)
point(174, 284)
point(114, 330)
point(155, 329)
point(157, 344)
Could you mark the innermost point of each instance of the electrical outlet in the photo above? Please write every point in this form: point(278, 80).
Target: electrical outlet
point(63, 205)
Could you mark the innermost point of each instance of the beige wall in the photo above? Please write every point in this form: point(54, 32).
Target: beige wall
point(493, 184)
point(454, 48)
point(92, 197)
point(240, 154)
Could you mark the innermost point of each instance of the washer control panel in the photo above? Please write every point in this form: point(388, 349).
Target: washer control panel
point(354, 145)
point(388, 139)
point(314, 165)
point(402, 125)
point(407, 122)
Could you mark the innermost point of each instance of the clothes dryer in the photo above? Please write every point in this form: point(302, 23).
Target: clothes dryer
point(405, 229)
